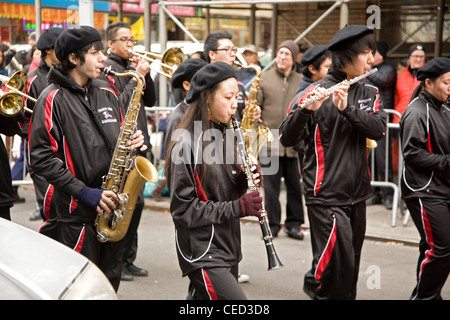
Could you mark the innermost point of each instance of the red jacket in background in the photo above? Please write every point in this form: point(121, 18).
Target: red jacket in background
point(404, 88)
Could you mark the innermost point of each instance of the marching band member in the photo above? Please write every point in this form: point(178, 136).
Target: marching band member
point(74, 128)
point(424, 133)
point(335, 174)
point(208, 198)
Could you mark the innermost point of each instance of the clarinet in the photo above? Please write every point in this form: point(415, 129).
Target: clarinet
point(273, 260)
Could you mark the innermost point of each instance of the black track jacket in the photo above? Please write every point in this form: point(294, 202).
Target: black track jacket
point(206, 215)
point(335, 164)
point(73, 134)
point(425, 137)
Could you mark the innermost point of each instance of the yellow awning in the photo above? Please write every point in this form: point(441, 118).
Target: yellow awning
point(137, 29)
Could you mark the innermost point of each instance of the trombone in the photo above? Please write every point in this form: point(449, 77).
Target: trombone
point(170, 59)
point(11, 103)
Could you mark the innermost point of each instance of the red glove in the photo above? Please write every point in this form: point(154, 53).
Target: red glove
point(250, 204)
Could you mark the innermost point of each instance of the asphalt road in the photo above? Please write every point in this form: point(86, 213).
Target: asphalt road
point(387, 266)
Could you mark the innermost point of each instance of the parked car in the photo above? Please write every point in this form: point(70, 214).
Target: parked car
point(35, 267)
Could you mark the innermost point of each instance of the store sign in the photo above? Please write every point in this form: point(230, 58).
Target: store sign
point(50, 17)
point(16, 11)
point(138, 7)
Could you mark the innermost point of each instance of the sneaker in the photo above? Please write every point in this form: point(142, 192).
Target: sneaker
point(136, 271)
point(294, 233)
point(126, 275)
point(36, 216)
point(243, 278)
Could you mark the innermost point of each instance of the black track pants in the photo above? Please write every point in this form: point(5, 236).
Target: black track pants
point(337, 235)
point(216, 284)
point(432, 219)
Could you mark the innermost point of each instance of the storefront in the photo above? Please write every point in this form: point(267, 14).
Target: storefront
point(194, 18)
point(17, 18)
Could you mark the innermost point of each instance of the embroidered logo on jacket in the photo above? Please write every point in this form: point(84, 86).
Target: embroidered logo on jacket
point(107, 115)
point(364, 103)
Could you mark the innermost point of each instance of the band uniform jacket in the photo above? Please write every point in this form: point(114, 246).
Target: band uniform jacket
point(125, 86)
point(206, 215)
point(425, 137)
point(335, 164)
point(74, 130)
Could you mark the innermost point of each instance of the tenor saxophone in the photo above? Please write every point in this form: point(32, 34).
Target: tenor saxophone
point(255, 136)
point(127, 174)
point(272, 257)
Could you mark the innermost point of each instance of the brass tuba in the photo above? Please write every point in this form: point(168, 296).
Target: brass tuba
point(121, 178)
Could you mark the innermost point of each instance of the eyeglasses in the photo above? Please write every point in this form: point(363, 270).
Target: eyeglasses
point(228, 50)
point(125, 40)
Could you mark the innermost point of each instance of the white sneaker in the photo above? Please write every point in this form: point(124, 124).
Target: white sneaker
point(243, 278)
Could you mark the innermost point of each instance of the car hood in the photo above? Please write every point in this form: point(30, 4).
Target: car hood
point(33, 266)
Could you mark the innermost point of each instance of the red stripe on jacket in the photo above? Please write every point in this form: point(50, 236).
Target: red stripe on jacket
point(198, 187)
point(71, 167)
point(320, 159)
point(110, 90)
point(48, 118)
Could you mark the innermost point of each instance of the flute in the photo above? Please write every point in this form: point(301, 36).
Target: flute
point(331, 90)
point(370, 144)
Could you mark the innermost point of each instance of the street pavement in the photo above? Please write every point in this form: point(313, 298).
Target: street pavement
point(387, 271)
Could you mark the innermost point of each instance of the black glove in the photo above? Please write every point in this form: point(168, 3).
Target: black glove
point(250, 204)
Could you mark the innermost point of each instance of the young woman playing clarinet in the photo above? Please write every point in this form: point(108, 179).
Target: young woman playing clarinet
point(208, 187)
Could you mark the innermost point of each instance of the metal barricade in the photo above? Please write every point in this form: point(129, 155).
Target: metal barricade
point(397, 203)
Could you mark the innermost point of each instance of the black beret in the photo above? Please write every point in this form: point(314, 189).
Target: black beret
point(348, 33)
point(186, 71)
point(73, 39)
point(434, 68)
point(48, 37)
point(312, 54)
point(207, 77)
